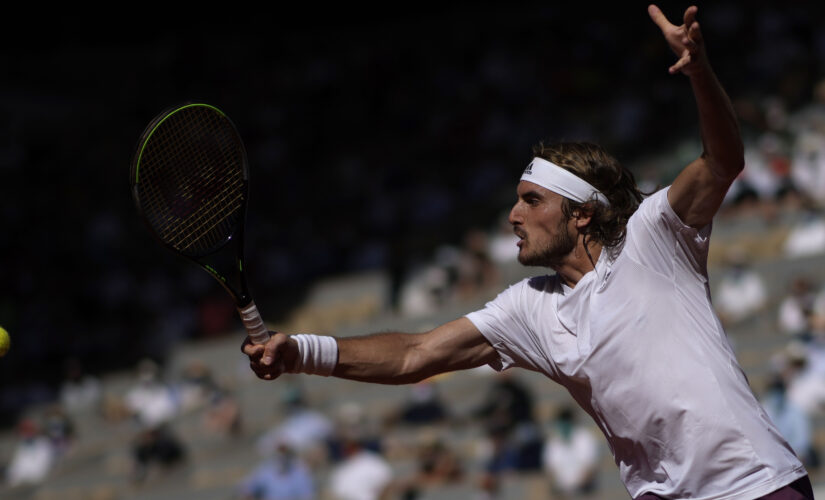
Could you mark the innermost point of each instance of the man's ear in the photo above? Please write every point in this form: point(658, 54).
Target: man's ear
point(582, 217)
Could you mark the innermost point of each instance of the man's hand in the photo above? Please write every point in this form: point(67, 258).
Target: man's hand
point(698, 191)
point(685, 40)
point(271, 359)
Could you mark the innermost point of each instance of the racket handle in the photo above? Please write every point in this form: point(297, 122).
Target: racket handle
point(254, 324)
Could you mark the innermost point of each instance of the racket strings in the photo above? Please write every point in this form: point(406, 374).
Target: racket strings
point(192, 180)
point(214, 227)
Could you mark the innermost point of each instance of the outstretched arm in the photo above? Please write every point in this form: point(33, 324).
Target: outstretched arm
point(698, 191)
point(383, 358)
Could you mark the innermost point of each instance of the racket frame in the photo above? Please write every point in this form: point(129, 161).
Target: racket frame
point(241, 294)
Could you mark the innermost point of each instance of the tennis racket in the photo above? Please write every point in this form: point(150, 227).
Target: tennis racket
point(190, 182)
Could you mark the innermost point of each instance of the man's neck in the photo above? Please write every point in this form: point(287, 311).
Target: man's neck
point(578, 263)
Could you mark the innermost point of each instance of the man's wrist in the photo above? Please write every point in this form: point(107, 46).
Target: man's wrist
point(317, 354)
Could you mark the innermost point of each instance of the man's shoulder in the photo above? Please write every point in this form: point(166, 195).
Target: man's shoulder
point(652, 208)
point(529, 286)
point(653, 201)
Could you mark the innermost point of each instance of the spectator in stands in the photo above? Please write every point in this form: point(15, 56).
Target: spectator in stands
point(359, 471)
point(767, 166)
point(742, 291)
point(815, 347)
point(223, 413)
point(33, 456)
point(425, 291)
point(59, 427)
point(570, 456)
point(475, 271)
point(153, 405)
point(436, 465)
point(423, 406)
point(795, 311)
point(456, 273)
point(507, 415)
point(807, 235)
point(303, 428)
point(808, 153)
point(792, 421)
point(156, 449)
point(362, 474)
point(805, 386)
point(196, 386)
point(282, 476)
point(79, 391)
point(151, 401)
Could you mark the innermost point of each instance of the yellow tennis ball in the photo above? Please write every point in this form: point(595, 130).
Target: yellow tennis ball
point(5, 341)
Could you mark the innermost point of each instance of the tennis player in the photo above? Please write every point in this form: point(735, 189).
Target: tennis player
point(626, 322)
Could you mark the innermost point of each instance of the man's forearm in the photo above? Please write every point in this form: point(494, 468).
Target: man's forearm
point(721, 139)
point(382, 358)
point(405, 358)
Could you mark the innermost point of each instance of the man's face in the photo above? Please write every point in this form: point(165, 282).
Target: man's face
point(546, 235)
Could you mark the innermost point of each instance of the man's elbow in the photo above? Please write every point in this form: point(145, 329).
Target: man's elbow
point(737, 160)
point(735, 168)
point(726, 168)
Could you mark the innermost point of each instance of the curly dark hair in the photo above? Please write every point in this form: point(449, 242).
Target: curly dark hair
point(608, 224)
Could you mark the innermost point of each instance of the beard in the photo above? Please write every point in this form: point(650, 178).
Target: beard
point(560, 246)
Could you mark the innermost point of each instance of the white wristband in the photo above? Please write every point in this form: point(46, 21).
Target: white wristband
point(317, 354)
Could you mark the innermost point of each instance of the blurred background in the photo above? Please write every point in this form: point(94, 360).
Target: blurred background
point(384, 149)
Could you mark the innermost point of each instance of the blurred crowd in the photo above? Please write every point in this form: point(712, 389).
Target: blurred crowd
point(393, 152)
point(422, 444)
point(308, 449)
point(769, 290)
point(369, 145)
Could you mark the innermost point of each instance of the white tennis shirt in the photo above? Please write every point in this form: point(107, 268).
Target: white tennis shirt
point(638, 345)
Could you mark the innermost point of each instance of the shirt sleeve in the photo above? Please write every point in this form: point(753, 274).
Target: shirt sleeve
point(505, 323)
point(657, 238)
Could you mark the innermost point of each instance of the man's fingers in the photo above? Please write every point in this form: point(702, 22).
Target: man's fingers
point(271, 351)
point(251, 349)
point(266, 360)
point(268, 372)
point(658, 17)
point(682, 62)
point(695, 34)
point(690, 15)
point(690, 43)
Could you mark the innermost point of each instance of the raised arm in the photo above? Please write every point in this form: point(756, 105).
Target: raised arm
point(382, 358)
point(698, 191)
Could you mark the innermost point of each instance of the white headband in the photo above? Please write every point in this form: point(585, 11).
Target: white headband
point(553, 177)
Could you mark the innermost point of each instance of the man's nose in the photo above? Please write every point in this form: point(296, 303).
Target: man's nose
point(515, 215)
